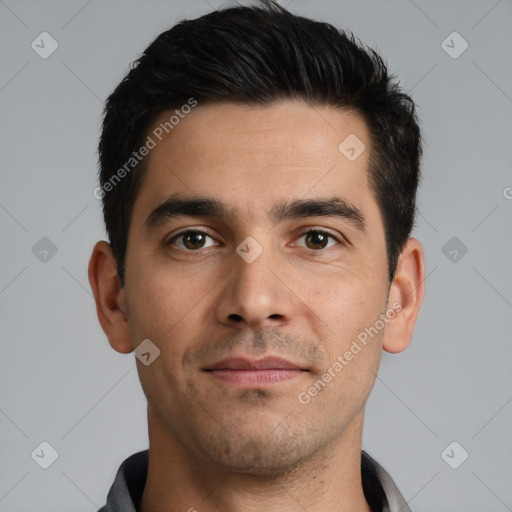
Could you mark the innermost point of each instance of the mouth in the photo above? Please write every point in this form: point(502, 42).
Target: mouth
point(244, 372)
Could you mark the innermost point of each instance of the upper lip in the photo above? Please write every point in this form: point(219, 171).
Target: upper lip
point(243, 363)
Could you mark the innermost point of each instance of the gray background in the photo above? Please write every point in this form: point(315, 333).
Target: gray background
point(60, 380)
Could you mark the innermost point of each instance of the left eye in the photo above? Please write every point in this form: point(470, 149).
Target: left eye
point(317, 239)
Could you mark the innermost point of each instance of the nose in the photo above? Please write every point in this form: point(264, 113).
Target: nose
point(256, 294)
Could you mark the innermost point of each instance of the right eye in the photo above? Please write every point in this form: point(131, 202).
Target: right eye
point(191, 240)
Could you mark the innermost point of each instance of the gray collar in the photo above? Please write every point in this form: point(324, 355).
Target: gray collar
point(382, 486)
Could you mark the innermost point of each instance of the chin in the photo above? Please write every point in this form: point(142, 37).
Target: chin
point(258, 461)
point(258, 454)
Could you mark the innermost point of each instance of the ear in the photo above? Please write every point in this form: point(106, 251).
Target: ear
point(110, 297)
point(407, 289)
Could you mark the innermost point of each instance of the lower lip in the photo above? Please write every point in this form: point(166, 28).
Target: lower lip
point(254, 377)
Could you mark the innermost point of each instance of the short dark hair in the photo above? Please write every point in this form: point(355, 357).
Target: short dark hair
point(254, 56)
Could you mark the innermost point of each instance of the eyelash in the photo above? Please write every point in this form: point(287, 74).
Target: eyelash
point(321, 231)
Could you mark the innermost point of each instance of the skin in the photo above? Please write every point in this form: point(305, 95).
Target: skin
point(214, 446)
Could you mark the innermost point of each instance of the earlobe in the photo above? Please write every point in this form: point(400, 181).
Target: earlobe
point(109, 297)
point(407, 289)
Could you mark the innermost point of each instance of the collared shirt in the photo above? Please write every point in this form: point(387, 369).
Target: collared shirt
point(126, 492)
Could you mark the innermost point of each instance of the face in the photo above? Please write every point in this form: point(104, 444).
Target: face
point(260, 271)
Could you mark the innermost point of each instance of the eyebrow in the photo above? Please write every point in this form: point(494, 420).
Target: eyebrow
point(203, 206)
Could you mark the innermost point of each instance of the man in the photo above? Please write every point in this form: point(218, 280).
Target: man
point(258, 175)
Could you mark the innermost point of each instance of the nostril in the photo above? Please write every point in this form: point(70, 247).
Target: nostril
point(235, 317)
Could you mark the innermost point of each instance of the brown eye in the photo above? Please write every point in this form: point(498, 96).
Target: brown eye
point(191, 240)
point(317, 240)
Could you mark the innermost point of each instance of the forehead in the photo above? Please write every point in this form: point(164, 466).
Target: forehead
point(252, 157)
point(286, 133)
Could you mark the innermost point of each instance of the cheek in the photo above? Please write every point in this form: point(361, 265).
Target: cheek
point(352, 355)
point(344, 311)
point(344, 301)
point(158, 303)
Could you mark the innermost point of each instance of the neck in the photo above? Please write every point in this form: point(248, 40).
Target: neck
point(180, 479)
